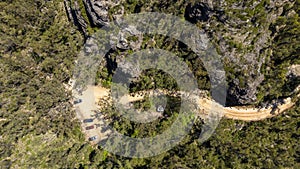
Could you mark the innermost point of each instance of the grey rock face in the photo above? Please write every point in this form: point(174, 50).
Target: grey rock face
point(98, 14)
point(242, 37)
point(132, 70)
point(122, 40)
point(198, 12)
point(242, 40)
point(75, 16)
point(97, 10)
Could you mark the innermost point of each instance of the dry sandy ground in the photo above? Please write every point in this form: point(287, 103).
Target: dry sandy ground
point(255, 114)
point(85, 110)
point(238, 113)
point(93, 94)
point(295, 69)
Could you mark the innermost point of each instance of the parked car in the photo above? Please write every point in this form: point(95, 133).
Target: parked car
point(90, 127)
point(160, 109)
point(93, 138)
point(97, 111)
point(88, 120)
point(77, 101)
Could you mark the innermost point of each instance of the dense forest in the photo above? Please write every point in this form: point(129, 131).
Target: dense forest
point(38, 125)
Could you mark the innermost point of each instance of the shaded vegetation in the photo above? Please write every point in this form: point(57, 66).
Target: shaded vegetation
point(286, 51)
point(38, 128)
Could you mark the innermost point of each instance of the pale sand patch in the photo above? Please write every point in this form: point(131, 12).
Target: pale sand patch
point(238, 113)
point(295, 69)
point(94, 94)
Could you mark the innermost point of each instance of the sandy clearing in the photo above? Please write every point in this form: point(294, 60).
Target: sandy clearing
point(294, 69)
point(86, 108)
point(238, 113)
point(92, 96)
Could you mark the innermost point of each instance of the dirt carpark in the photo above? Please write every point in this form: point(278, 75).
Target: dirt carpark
point(93, 94)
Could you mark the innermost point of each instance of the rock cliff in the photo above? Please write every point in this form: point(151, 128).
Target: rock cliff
point(240, 30)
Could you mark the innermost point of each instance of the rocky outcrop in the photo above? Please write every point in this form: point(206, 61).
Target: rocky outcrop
point(294, 71)
point(98, 15)
point(243, 38)
point(123, 40)
point(75, 16)
point(240, 29)
point(97, 11)
point(198, 12)
point(203, 11)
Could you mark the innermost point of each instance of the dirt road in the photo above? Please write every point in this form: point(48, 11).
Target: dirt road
point(237, 113)
point(94, 94)
point(86, 109)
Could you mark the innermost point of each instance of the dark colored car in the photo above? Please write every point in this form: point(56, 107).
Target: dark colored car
point(90, 127)
point(88, 120)
point(93, 138)
point(77, 101)
point(97, 112)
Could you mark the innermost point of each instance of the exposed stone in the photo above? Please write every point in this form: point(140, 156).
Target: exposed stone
point(128, 68)
point(75, 16)
point(294, 71)
point(128, 38)
point(97, 12)
point(243, 39)
point(198, 12)
point(229, 29)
